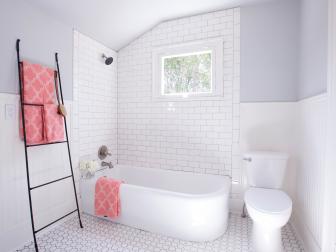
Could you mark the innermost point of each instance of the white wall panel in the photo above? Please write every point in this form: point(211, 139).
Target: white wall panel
point(95, 97)
point(46, 163)
point(270, 126)
point(311, 141)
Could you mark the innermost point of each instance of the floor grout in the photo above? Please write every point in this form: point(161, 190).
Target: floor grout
point(103, 235)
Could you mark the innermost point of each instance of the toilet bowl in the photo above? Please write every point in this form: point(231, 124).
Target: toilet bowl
point(270, 210)
point(268, 206)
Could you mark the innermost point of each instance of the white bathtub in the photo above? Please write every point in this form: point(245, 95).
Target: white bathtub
point(183, 205)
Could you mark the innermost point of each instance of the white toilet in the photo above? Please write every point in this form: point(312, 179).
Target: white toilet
point(268, 206)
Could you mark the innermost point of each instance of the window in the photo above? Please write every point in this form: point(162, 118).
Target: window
point(188, 71)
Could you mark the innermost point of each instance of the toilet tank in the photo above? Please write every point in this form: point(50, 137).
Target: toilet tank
point(265, 169)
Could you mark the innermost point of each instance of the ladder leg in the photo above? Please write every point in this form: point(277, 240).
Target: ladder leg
point(72, 177)
point(25, 143)
point(67, 140)
point(35, 243)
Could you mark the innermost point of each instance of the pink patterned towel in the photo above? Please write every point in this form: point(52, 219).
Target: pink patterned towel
point(53, 124)
point(107, 197)
point(38, 83)
point(38, 88)
point(34, 124)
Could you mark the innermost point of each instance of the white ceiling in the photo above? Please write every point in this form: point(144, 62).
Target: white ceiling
point(116, 23)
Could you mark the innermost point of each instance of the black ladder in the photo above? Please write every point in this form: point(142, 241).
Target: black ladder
point(28, 146)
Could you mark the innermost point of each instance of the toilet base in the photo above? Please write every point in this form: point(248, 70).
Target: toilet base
point(266, 239)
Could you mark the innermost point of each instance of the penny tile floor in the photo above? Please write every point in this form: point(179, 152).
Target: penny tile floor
point(103, 235)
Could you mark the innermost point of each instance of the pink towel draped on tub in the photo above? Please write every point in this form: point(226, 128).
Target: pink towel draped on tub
point(43, 123)
point(107, 197)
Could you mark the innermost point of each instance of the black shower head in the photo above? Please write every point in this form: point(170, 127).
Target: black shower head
point(108, 60)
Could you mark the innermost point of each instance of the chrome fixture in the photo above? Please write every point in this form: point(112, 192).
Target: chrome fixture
point(108, 60)
point(248, 159)
point(243, 215)
point(109, 164)
point(103, 152)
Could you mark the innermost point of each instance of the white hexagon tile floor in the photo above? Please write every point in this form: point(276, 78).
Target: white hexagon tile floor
point(102, 235)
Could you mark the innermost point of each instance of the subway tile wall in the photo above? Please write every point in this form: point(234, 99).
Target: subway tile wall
point(194, 136)
point(95, 98)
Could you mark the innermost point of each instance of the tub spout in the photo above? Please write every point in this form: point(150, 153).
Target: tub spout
point(109, 164)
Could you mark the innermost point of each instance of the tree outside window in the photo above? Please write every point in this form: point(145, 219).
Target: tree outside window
point(187, 73)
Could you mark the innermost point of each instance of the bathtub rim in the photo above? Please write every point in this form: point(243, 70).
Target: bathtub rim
point(225, 187)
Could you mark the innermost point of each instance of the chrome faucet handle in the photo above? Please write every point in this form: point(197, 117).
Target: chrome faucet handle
point(109, 164)
point(103, 152)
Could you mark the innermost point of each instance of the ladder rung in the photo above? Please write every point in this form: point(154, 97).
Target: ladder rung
point(36, 231)
point(33, 104)
point(33, 145)
point(32, 188)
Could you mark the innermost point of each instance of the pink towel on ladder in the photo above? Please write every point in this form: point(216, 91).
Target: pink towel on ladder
point(43, 124)
point(34, 124)
point(107, 197)
point(38, 83)
point(53, 124)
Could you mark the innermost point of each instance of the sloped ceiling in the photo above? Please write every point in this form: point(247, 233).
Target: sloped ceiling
point(116, 23)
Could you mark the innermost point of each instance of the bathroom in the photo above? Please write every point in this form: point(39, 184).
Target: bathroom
point(187, 161)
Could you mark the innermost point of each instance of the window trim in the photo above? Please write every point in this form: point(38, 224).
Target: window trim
point(214, 45)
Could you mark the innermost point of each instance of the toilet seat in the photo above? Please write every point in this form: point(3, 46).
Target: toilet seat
point(269, 201)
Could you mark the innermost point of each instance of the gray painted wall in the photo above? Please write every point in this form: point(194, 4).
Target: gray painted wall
point(269, 51)
point(40, 37)
point(314, 48)
point(283, 47)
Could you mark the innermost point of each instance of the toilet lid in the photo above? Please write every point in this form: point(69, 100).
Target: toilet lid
point(268, 200)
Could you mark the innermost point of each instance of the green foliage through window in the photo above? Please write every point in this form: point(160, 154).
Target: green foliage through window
point(187, 73)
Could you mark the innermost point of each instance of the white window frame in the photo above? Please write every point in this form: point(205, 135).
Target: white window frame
point(217, 85)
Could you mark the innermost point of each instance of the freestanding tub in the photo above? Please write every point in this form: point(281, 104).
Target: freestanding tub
point(183, 205)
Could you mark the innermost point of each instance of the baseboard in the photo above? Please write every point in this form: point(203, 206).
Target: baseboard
point(302, 232)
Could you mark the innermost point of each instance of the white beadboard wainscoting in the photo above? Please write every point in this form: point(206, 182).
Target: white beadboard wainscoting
point(297, 128)
point(46, 163)
point(270, 126)
point(311, 143)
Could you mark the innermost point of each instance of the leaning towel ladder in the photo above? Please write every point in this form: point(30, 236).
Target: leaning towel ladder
point(30, 188)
